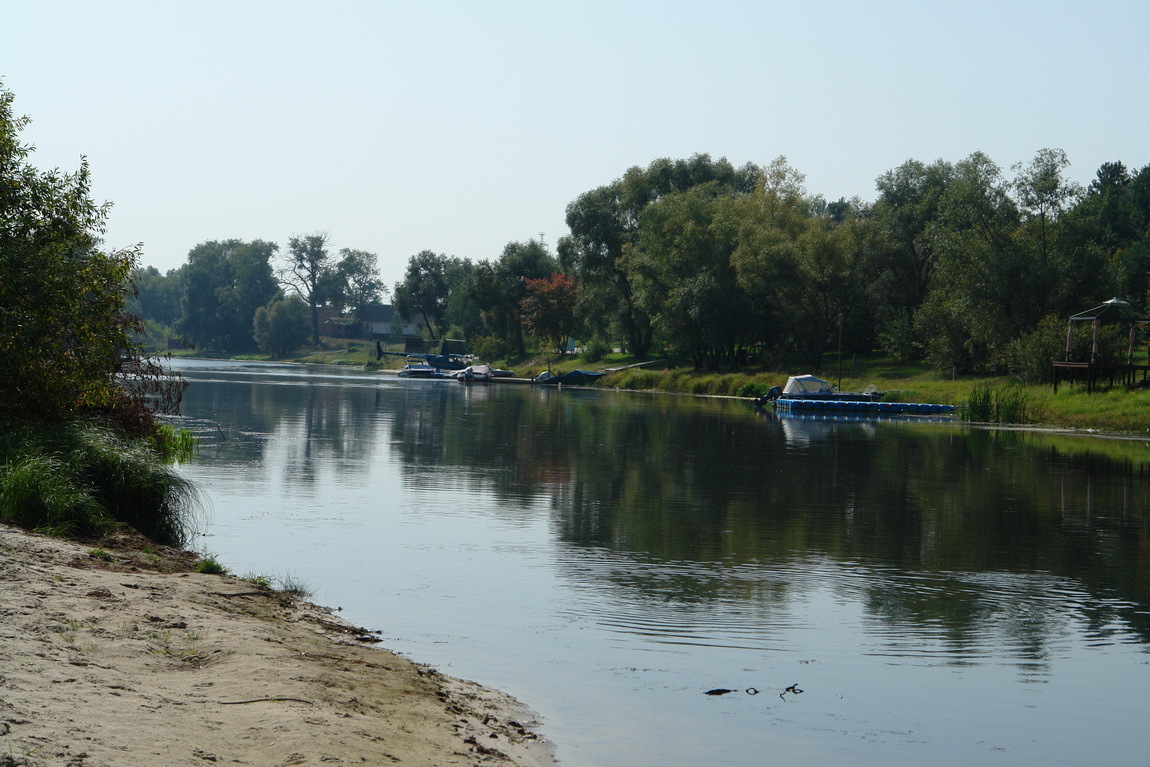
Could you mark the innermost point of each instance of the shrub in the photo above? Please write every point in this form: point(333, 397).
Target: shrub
point(596, 349)
point(752, 389)
point(1029, 357)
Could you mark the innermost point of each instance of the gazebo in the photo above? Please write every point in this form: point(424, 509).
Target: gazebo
point(1114, 311)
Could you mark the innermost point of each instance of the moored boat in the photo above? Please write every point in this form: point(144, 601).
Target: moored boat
point(809, 393)
point(474, 374)
point(417, 368)
point(572, 378)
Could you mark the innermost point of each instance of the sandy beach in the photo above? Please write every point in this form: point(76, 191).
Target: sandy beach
point(115, 653)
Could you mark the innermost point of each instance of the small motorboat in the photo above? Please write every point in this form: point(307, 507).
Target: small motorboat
point(417, 368)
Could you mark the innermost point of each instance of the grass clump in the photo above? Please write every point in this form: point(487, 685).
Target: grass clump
point(81, 478)
point(210, 565)
point(996, 404)
point(295, 586)
point(259, 579)
point(177, 445)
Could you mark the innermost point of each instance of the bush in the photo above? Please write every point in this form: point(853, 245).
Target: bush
point(492, 348)
point(752, 389)
point(210, 565)
point(1029, 358)
point(596, 349)
point(282, 326)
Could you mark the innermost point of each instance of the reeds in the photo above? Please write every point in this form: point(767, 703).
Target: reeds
point(996, 404)
point(80, 478)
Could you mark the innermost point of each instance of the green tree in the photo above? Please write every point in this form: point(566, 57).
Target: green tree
point(63, 324)
point(157, 295)
point(65, 329)
point(771, 218)
point(1110, 226)
point(462, 315)
point(906, 215)
point(305, 272)
point(685, 279)
point(282, 325)
point(424, 291)
point(499, 289)
point(1043, 193)
point(604, 222)
point(224, 283)
point(988, 289)
point(157, 303)
point(353, 281)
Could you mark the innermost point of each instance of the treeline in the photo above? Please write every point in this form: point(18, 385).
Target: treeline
point(953, 263)
point(236, 296)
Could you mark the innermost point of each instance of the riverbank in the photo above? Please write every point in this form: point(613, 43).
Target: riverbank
point(1116, 411)
point(121, 655)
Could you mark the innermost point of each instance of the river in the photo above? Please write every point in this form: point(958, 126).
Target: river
point(939, 594)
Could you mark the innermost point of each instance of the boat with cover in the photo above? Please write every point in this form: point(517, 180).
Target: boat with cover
point(572, 378)
point(474, 374)
point(809, 387)
point(808, 393)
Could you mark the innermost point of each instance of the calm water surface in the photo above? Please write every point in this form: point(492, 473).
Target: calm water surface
point(942, 596)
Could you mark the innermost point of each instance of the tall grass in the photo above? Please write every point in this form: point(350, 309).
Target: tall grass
point(996, 404)
point(80, 478)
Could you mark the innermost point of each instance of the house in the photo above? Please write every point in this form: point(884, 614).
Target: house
point(381, 321)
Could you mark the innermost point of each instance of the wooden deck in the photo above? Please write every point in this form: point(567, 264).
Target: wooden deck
point(1096, 373)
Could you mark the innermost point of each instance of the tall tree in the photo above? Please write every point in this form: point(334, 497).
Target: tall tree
point(685, 278)
point(549, 309)
point(353, 281)
point(158, 295)
point(424, 291)
point(306, 271)
point(604, 222)
point(224, 283)
point(64, 329)
point(1043, 193)
point(907, 251)
point(771, 219)
point(282, 326)
point(499, 288)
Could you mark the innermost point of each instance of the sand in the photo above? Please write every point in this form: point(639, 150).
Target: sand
point(112, 654)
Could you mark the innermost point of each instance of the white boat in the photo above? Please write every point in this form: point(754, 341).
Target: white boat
point(474, 374)
point(418, 368)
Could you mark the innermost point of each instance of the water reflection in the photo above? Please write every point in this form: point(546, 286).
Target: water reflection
point(989, 523)
point(700, 526)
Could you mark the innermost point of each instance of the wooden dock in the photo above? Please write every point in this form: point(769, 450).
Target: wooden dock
point(1095, 373)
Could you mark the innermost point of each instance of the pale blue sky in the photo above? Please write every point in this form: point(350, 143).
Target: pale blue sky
point(461, 126)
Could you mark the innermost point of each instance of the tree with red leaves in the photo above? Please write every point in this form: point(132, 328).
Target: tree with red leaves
point(549, 309)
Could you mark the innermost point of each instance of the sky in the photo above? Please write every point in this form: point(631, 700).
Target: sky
point(458, 127)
